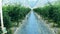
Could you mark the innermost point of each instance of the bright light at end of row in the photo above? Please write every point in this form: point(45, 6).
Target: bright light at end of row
point(32, 0)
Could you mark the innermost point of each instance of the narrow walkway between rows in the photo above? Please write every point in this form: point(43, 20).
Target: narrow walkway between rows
point(33, 26)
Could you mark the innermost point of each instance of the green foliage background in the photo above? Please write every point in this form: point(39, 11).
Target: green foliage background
point(50, 12)
point(13, 14)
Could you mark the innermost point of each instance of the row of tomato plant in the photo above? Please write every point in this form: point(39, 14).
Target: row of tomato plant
point(50, 12)
point(13, 15)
